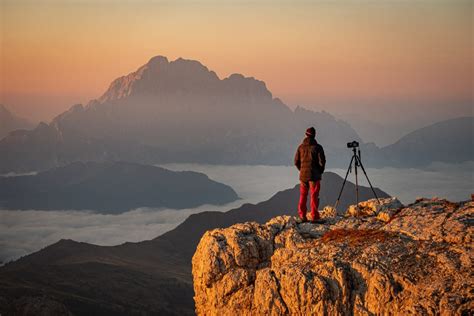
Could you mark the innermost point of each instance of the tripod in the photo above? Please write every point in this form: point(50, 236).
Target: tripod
point(357, 163)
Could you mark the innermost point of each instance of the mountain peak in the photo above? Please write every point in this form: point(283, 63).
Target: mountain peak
point(158, 60)
point(247, 85)
point(159, 76)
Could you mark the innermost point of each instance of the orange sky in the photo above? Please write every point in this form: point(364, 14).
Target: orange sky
point(322, 54)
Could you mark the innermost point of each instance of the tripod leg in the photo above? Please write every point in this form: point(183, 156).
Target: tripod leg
point(365, 173)
point(343, 183)
point(357, 181)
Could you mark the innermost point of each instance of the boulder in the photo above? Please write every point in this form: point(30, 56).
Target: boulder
point(385, 207)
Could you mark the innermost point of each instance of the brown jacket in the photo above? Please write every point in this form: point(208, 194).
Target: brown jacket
point(310, 160)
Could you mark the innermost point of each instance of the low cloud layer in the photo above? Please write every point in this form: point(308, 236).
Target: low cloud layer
point(23, 232)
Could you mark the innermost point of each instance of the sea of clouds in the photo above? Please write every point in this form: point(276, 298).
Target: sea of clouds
point(23, 232)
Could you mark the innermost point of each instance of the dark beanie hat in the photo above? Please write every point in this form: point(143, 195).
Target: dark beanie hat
point(311, 132)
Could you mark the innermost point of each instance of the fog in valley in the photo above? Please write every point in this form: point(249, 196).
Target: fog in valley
point(23, 232)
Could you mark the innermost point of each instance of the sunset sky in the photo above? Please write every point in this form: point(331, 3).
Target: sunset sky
point(331, 55)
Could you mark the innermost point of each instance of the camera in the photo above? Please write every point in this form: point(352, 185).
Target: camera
point(353, 144)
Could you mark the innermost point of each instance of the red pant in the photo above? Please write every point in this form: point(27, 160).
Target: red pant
point(314, 187)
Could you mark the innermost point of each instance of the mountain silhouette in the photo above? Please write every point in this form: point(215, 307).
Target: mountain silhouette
point(449, 141)
point(111, 187)
point(176, 111)
point(181, 112)
point(152, 277)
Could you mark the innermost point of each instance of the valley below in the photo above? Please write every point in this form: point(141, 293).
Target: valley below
point(23, 232)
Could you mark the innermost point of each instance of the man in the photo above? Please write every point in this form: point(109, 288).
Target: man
point(310, 161)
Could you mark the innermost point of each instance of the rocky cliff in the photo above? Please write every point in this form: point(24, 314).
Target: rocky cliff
point(384, 259)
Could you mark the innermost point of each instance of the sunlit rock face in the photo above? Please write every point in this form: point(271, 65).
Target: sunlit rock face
point(382, 208)
point(418, 262)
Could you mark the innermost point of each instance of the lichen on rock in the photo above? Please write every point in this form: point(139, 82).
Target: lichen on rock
point(417, 260)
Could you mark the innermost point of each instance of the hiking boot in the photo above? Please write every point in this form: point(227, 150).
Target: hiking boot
point(318, 221)
point(300, 220)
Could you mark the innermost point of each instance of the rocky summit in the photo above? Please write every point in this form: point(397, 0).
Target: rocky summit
point(383, 259)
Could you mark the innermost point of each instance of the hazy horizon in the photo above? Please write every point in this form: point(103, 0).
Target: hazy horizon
point(379, 127)
point(388, 61)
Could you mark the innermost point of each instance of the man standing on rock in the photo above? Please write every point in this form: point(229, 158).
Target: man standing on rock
point(310, 161)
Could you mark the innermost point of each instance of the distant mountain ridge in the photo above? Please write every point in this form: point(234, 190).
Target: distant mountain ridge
point(10, 122)
point(181, 112)
point(152, 277)
point(111, 187)
point(447, 141)
point(176, 111)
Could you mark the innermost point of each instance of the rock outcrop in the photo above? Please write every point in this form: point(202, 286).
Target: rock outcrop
point(394, 260)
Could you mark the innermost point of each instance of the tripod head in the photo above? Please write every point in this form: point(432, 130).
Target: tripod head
point(355, 145)
point(354, 150)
